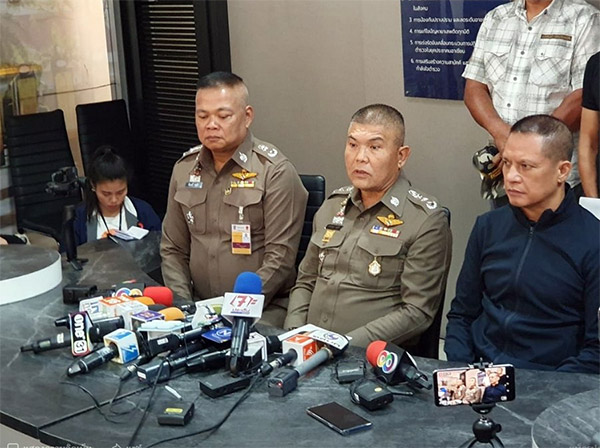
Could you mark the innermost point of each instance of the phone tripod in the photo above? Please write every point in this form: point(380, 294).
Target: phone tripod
point(485, 429)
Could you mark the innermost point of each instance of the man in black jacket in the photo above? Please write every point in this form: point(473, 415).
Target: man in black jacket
point(528, 290)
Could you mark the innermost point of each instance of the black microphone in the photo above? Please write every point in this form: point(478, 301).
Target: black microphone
point(209, 361)
point(242, 308)
point(167, 366)
point(95, 333)
point(61, 340)
point(286, 380)
point(394, 365)
point(282, 360)
point(93, 360)
point(120, 344)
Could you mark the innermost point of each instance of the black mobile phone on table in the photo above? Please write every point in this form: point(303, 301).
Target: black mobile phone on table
point(339, 418)
point(466, 385)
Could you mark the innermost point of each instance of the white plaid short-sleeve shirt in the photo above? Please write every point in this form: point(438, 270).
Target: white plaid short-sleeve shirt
point(530, 67)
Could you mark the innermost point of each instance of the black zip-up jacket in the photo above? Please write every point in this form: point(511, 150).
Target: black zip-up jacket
point(527, 293)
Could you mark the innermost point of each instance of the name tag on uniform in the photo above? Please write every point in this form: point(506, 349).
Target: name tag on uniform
point(194, 182)
point(241, 242)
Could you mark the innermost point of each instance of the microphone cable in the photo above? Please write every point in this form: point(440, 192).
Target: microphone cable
point(147, 409)
point(256, 380)
point(98, 405)
point(149, 403)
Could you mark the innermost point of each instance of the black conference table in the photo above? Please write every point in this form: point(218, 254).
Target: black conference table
point(38, 399)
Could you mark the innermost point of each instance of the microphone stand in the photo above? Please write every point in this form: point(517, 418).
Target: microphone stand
point(484, 429)
point(69, 238)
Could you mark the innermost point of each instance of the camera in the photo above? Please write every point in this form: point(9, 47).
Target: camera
point(64, 182)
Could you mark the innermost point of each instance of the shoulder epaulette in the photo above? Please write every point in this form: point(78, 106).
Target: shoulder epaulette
point(269, 151)
point(193, 150)
point(427, 203)
point(342, 191)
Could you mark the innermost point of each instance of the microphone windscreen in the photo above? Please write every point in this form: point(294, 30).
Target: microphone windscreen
point(248, 283)
point(273, 344)
point(143, 299)
point(156, 307)
point(160, 294)
point(172, 314)
point(373, 351)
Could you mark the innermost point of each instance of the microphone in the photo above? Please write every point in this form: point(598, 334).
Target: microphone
point(288, 357)
point(95, 333)
point(61, 340)
point(160, 294)
point(186, 344)
point(394, 365)
point(79, 325)
point(243, 308)
point(172, 313)
point(194, 356)
point(120, 345)
point(286, 380)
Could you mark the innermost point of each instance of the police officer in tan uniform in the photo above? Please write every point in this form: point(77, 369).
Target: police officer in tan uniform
point(235, 204)
point(380, 251)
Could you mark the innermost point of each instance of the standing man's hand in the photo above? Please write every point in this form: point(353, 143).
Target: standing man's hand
point(500, 134)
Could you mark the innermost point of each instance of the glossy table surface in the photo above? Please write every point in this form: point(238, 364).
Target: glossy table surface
point(37, 398)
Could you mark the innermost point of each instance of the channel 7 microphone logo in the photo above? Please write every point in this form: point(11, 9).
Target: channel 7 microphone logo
point(243, 301)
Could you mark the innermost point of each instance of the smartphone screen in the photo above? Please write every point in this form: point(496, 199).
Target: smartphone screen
point(339, 418)
point(471, 386)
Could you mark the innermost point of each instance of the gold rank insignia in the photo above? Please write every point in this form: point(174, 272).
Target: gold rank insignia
point(390, 220)
point(244, 175)
point(328, 235)
point(385, 231)
point(243, 181)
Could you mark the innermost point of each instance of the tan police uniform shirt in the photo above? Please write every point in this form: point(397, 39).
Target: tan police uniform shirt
point(196, 246)
point(370, 280)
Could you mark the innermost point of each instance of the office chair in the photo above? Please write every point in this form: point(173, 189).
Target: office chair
point(315, 185)
point(106, 123)
point(38, 146)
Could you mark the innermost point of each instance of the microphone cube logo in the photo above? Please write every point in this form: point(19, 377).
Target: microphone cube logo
point(242, 305)
point(80, 343)
point(80, 347)
point(387, 361)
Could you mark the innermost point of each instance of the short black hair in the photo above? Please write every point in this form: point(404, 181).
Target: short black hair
point(557, 138)
point(384, 115)
point(222, 79)
point(106, 165)
point(218, 79)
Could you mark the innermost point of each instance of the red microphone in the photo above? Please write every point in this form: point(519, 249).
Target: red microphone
point(160, 294)
point(394, 365)
point(373, 351)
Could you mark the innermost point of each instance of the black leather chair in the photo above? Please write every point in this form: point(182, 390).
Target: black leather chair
point(106, 123)
point(429, 343)
point(37, 147)
point(315, 185)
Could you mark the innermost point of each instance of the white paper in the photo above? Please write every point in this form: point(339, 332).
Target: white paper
point(137, 232)
point(133, 233)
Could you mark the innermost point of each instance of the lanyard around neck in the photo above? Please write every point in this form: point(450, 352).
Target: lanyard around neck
point(104, 220)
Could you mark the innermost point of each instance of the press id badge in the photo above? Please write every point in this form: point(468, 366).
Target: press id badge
point(241, 243)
